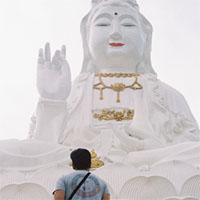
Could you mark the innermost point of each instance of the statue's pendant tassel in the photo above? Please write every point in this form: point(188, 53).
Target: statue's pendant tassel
point(101, 94)
point(118, 97)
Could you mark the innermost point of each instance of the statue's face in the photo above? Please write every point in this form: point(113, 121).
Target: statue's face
point(116, 38)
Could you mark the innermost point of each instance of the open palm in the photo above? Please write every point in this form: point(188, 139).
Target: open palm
point(53, 74)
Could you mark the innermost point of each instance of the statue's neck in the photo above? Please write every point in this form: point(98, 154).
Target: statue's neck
point(117, 70)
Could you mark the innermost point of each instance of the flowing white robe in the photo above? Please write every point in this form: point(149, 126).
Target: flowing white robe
point(161, 114)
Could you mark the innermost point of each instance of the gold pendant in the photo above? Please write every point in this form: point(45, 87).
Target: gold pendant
point(117, 87)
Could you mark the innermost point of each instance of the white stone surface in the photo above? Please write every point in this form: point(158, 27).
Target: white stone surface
point(152, 157)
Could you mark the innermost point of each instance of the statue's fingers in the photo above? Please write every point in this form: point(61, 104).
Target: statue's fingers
point(56, 60)
point(56, 56)
point(125, 138)
point(63, 51)
point(134, 133)
point(65, 68)
point(47, 52)
point(40, 56)
point(119, 132)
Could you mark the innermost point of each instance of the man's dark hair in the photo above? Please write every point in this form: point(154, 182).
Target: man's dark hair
point(81, 159)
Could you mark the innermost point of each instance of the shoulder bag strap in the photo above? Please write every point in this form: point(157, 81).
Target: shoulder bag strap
point(78, 186)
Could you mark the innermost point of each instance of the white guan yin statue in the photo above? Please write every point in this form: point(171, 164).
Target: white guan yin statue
point(142, 130)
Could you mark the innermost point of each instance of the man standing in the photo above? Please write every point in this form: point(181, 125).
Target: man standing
point(93, 188)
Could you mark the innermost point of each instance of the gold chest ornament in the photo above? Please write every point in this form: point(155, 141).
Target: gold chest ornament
point(117, 87)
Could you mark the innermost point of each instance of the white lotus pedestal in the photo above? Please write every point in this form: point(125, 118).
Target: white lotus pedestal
point(34, 176)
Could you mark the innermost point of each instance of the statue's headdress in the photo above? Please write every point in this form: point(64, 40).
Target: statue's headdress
point(94, 2)
point(145, 65)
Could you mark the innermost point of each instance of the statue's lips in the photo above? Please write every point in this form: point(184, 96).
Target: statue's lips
point(116, 44)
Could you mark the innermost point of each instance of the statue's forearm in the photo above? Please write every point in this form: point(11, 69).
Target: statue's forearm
point(51, 117)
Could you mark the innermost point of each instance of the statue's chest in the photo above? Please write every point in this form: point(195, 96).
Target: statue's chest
point(113, 97)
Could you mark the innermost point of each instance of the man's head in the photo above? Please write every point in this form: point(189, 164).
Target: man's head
point(81, 159)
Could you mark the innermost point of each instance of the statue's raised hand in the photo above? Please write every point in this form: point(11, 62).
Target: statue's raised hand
point(53, 74)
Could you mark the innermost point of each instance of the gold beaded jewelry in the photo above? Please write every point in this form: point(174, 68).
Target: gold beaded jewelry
point(118, 87)
point(115, 115)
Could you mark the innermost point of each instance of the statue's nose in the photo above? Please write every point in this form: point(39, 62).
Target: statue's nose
point(116, 31)
point(115, 35)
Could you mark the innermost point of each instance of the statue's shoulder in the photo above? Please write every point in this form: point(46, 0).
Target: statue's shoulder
point(82, 78)
point(80, 81)
point(168, 90)
point(156, 84)
point(79, 87)
point(162, 93)
point(173, 100)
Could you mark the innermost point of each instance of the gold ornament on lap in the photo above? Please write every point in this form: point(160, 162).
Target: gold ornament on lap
point(117, 87)
point(96, 162)
point(115, 115)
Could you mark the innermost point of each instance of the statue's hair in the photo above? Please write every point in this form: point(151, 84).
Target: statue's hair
point(102, 3)
point(144, 65)
point(95, 2)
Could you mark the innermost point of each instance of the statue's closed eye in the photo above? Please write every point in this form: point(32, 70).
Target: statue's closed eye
point(103, 24)
point(128, 25)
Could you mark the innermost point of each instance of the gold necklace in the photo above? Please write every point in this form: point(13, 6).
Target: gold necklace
point(117, 87)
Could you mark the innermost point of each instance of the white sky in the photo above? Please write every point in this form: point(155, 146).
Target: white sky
point(25, 26)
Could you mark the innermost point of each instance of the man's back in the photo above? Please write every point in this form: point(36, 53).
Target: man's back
point(92, 189)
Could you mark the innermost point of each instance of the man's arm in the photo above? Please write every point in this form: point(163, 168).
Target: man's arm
point(60, 195)
point(106, 197)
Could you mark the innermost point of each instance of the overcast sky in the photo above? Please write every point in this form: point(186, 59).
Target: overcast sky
point(25, 26)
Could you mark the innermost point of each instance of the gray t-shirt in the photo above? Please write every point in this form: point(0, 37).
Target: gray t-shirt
point(92, 189)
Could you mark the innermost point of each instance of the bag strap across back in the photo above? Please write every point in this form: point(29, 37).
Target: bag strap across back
point(78, 186)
